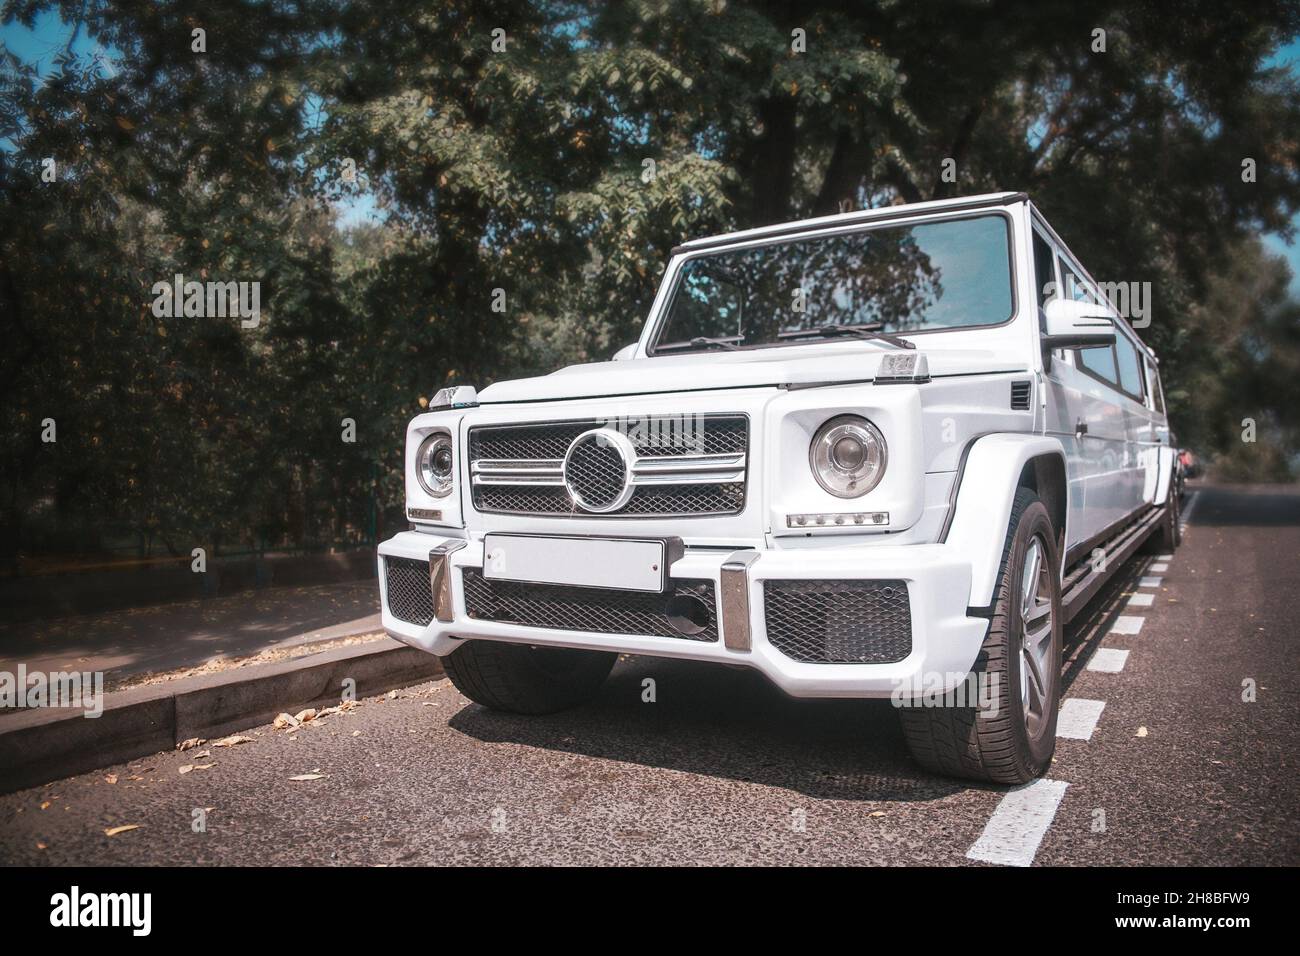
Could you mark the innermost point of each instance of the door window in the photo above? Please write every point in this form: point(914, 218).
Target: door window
point(1100, 363)
point(1074, 287)
point(1045, 270)
point(1130, 371)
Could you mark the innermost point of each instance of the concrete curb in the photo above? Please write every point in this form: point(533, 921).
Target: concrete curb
point(38, 746)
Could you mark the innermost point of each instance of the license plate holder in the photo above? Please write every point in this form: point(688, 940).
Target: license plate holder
point(607, 563)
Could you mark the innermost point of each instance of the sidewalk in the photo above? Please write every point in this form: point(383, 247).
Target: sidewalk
point(190, 633)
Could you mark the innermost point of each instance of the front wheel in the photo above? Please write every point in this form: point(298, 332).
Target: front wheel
point(523, 679)
point(1008, 735)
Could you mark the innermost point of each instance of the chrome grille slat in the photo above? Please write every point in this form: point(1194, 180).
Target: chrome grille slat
point(678, 471)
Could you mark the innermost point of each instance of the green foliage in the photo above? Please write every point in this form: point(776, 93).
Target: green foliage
point(525, 170)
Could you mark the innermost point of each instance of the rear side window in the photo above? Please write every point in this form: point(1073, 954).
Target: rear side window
point(1100, 361)
point(1157, 395)
point(1044, 270)
point(1130, 370)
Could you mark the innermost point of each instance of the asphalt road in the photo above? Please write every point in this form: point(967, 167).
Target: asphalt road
point(723, 768)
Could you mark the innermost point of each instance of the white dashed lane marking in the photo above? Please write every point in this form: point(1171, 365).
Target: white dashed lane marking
point(1108, 660)
point(1127, 624)
point(1012, 835)
point(1022, 818)
point(1078, 718)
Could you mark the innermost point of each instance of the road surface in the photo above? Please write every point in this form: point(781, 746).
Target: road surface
point(1190, 760)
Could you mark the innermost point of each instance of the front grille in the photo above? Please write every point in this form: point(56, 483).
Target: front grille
point(409, 596)
point(597, 471)
point(839, 622)
point(600, 611)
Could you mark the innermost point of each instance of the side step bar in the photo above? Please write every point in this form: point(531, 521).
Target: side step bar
point(1081, 584)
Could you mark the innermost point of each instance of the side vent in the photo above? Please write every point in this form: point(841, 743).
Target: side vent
point(1020, 395)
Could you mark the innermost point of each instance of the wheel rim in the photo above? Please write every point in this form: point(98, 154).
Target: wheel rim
point(1035, 635)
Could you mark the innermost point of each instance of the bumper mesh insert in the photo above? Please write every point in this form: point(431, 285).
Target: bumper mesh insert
point(600, 611)
point(839, 622)
point(409, 596)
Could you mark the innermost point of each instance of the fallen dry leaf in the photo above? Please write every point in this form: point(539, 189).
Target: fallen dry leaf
point(114, 831)
point(40, 846)
point(232, 741)
point(45, 805)
point(185, 769)
point(308, 776)
point(190, 744)
point(285, 720)
point(1142, 732)
point(305, 715)
point(111, 778)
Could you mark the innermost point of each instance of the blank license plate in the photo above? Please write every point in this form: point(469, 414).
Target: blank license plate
point(624, 564)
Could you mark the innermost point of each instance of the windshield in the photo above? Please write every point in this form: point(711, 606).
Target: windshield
point(903, 278)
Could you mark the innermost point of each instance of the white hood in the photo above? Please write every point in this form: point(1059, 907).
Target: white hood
point(751, 368)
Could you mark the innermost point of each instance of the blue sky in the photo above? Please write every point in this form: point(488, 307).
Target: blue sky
point(42, 43)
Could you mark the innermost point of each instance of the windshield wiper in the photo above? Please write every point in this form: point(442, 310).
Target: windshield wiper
point(857, 331)
point(700, 342)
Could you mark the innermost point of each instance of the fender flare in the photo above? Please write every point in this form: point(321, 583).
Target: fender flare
point(982, 509)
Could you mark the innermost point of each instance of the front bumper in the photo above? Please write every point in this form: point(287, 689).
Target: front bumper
point(945, 640)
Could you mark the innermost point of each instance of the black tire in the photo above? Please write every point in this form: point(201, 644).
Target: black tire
point(1002, 746)
point(1168, 534)
point(523, 679)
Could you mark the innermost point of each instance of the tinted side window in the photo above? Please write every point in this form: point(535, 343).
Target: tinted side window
point(1046, 274)
point(1101, 362)
point(1157, 395)
point(1130, 374)
point(1074, 286)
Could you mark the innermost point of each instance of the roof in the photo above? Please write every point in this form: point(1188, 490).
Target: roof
point(848, 218)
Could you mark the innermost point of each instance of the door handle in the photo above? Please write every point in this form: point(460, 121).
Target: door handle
point(1080, 428)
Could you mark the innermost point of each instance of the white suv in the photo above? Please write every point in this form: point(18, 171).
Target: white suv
point(871, 455)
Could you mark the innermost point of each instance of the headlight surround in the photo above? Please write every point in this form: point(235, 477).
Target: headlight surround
point(435, 464)
point(848, 456)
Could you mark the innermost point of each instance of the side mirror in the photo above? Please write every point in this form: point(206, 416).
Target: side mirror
point(1071, 324)
point(625, 353)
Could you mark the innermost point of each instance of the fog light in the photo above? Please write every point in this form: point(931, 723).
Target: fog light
point(687, 614)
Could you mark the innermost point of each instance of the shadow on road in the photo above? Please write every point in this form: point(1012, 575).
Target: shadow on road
point(728, 723)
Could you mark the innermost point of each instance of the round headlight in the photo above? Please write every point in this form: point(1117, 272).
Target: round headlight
point(848, 456)
point(434, 463)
